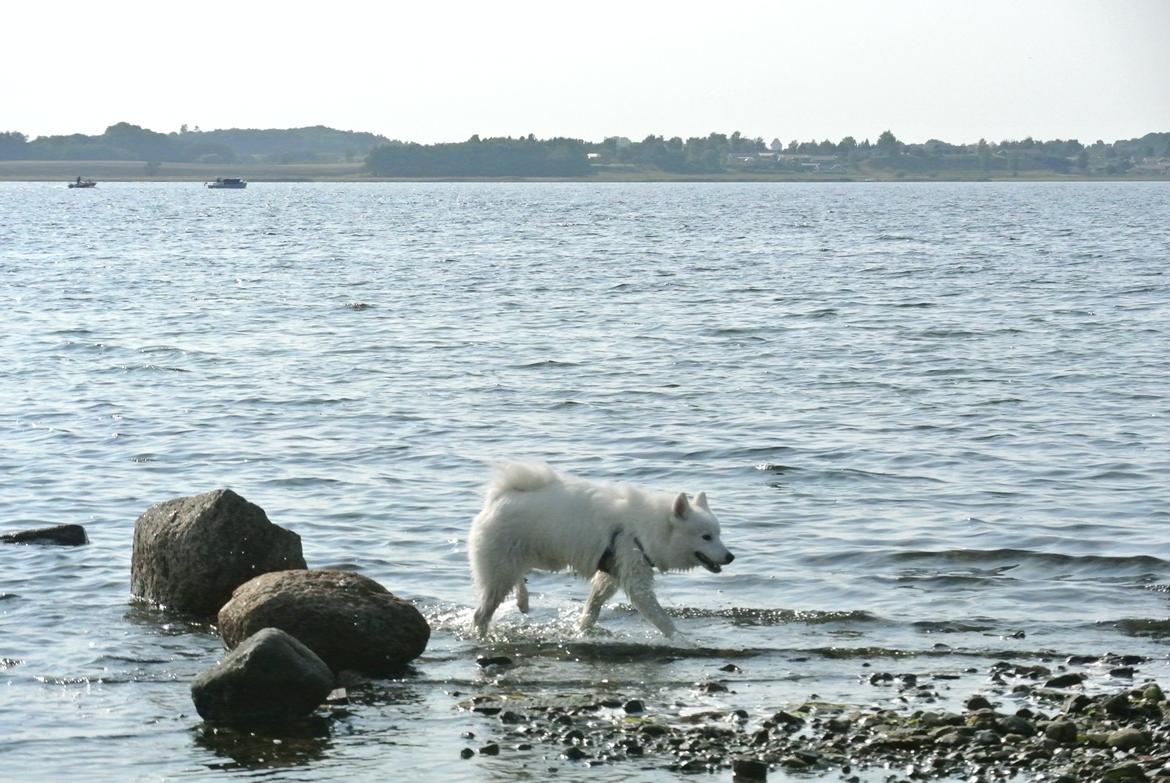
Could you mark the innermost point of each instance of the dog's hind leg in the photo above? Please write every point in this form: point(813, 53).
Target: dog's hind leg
point(493, 588)
point(522, 595)
point(604, 586)
point(489, 601)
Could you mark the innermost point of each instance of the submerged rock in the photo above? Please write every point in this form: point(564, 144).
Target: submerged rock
point(349, 620)
point(63, 535)
point(270, 677)
point(749, 769)
point(190, 553)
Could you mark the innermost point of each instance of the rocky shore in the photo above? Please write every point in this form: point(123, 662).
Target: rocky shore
point(1053, 731)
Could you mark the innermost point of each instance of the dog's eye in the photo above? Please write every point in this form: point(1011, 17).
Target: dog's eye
point(706, 536)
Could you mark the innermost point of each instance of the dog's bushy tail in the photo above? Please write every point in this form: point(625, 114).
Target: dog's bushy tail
point(510, 476)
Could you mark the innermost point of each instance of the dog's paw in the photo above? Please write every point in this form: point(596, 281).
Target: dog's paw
point(594, 631)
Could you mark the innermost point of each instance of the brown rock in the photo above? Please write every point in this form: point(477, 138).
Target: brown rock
point(190, 553)
point(349, 620)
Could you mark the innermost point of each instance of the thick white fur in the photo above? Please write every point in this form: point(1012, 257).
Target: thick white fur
point(535, 518)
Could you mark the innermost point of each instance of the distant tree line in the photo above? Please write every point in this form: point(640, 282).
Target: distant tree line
point(131, 142)
point(476, 157)
point(720, 153)
point(527, 156)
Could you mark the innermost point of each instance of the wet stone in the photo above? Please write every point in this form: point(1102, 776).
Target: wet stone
point(711, 687)
point(1014, 724)
point(1063, 731)
point(1130, 771)
point(749, 769)
point(1065, 680)
point(60, 535)
point(1117, 706)
point(634, 707)
point(1127, 739)
point(978, 703)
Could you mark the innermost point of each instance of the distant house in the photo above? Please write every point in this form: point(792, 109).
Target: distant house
point(1152, 166)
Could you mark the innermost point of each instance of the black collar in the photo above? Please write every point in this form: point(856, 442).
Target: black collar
point(607, 561)
point(642, 549)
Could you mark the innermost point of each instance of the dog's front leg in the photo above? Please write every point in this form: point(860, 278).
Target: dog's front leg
point(638, 582)
point(604, 586)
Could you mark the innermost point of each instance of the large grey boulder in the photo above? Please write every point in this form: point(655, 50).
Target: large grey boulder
point(270, 677)
point(190, 553)
point(349, 620)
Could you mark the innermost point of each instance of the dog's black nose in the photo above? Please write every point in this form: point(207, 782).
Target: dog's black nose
point(730, 557)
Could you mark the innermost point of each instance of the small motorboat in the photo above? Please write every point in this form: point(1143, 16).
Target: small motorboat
point(83, 183)
point(228, 182)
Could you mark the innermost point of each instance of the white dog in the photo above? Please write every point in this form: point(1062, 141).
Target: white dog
point(614, 534)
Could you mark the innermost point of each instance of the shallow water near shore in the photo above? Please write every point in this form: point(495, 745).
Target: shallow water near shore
point(932, 419)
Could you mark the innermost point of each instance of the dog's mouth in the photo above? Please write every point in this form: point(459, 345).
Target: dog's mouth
point(708, 563)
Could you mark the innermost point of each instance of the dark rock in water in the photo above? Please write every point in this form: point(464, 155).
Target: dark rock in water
point(787, 720)
point(634, 707)
point(63, 535)
point(349, 620)
point(749, 769)
point(1078, 702)
point(486, 661)
point(1065, 680)
point(270, 677)
point(190, 553)
point(978, 703)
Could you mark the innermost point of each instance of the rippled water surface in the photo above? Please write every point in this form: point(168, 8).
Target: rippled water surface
point(931, 417)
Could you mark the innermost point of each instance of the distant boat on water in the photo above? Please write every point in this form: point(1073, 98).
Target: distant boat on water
point(83, 183)
point(228, 182)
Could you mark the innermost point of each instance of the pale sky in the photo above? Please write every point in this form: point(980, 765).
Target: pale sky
point(442, 71)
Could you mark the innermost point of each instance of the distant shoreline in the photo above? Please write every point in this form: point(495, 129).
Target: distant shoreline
point(64, 171)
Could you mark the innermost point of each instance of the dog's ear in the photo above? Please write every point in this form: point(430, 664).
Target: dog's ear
point(701, 501)
point(682, 506)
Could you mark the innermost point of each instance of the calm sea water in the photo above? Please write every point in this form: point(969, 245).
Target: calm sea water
point(933, 420)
